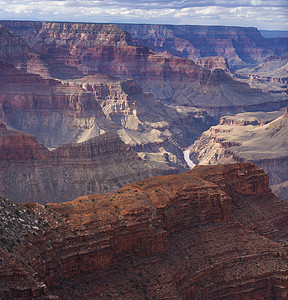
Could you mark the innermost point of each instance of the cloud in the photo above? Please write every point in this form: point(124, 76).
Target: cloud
point(264, 14)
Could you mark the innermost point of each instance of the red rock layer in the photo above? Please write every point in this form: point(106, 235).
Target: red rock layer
point(216, 232)
point(30, 172)
point(105, 48)
point(239, 45)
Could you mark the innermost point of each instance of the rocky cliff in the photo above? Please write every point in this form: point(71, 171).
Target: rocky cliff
point(240, 45)
point(79, 111)
point(216, 232)
point(30, 172)
point(104, 48)
point(271, 75)
point(257, 137)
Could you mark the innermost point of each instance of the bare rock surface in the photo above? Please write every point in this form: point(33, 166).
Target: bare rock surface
point(257, 137)
point(89, 49)
point(215, 232)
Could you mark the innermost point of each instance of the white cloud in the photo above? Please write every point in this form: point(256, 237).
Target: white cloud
point(264, 14)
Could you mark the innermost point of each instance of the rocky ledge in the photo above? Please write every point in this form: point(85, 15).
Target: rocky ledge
point(216, 232)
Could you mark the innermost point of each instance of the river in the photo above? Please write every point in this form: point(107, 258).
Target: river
point(186, 153)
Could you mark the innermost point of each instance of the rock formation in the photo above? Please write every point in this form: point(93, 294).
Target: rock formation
point(257, 137)
point(240, 45)
point(271, 75)
point(84, 111)
point(72, 50)
point(30, 172)
point(215, 232)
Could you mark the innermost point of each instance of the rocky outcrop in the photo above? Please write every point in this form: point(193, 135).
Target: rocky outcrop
point(257, 137)
point(212, 63)
point(211, 233)
point(108, 49)
point(271, 75)
point(240, 45)
point(30, 172)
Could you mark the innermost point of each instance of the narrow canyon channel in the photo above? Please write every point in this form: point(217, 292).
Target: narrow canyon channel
point(186, 153)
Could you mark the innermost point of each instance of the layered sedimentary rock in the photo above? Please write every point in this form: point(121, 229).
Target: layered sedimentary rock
point(85, 110)
point(76, 110)
point(105, 48)
point(30, 172)
point(215, 232)
point(270, 76)
point(212, 63)
point(240, 45)
point(257, 137)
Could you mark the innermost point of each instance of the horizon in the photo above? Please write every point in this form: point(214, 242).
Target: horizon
point(135, 23)
point(260, 14)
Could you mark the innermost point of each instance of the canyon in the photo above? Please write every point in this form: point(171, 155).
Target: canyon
point(216, 232)
point(68, 83)
point(257, 137)
point(95, 126)
point(69, 50)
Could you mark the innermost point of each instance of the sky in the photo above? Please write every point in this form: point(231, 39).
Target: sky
point(263, 14)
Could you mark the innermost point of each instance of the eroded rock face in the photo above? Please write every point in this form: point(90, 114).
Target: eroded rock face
point(257, 137)
point(238, 44)
point(77, 110)
point(212, 63)
point(211, 233)
point(107, 49)
point(271, 75)
point(30, 172)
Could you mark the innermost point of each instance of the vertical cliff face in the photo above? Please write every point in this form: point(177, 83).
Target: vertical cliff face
point(211, 233)
point(257, 137)
point(238, 44)
point(30, 172)
point(72, 50)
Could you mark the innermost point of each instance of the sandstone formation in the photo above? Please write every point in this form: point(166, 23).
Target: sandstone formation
point(213, 63)
point(257, 137)
point(30, 172)
point(84, 111)
point(72, 50)
point(216, 232)
point(270, 76)
point(240, 45)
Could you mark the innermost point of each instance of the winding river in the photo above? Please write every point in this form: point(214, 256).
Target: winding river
point(186, 153)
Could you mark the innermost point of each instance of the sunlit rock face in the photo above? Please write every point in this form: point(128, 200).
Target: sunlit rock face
point(211, 233)
point(257, 137)
point(71, 50)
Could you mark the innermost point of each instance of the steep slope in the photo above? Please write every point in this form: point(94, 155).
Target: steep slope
point(257, 137)
point(240, 45)
point(79, 109)
point(107, 49)
point(216, 232)
point(271, 75)
point(30, 172)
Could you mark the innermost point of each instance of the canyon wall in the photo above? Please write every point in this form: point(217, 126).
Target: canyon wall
point(71, 50)
point(240, 45)
point(215, 232)
point(30, 172)
point(257, 137)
